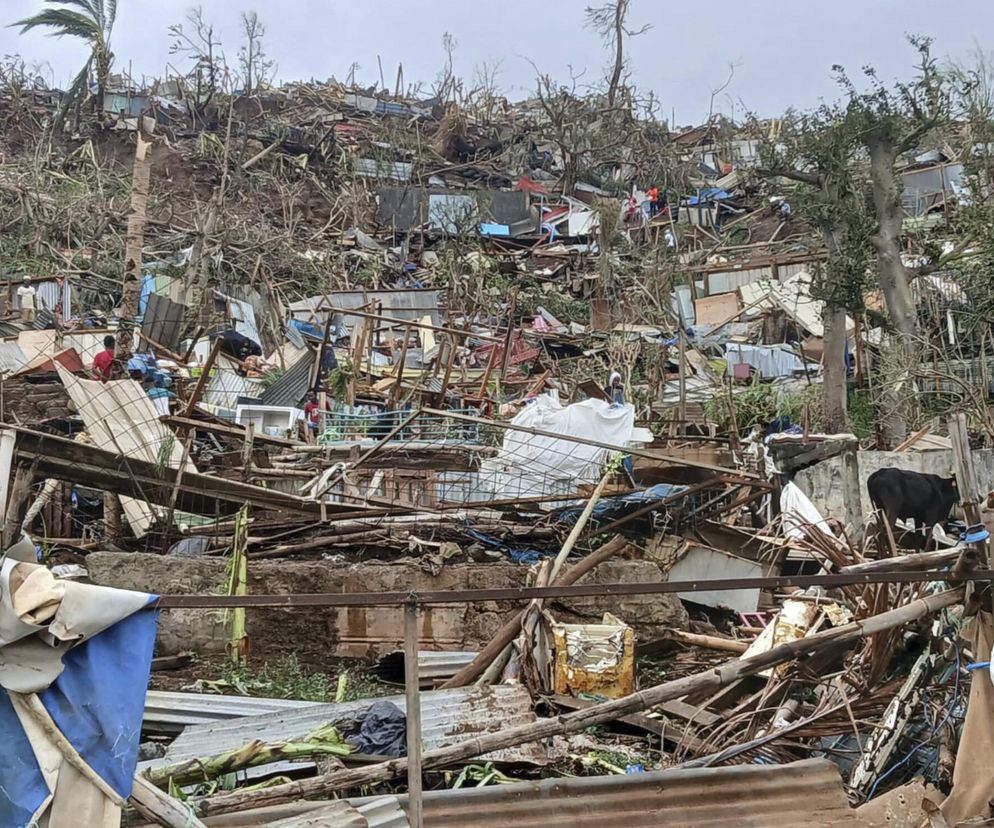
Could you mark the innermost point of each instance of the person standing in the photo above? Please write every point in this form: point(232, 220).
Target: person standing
point(669, 239)
point(653, 194)
point(157, 392)
point(104, 361)
point(26, 295)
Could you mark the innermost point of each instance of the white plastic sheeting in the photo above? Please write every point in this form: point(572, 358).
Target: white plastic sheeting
point(532, 465)
point(799, 513)
point(771, 361)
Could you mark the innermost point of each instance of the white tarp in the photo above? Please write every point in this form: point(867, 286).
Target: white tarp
point(42, 617)
point(799, 513)
point(771, 361)
point(121, 418)
point(531, 465)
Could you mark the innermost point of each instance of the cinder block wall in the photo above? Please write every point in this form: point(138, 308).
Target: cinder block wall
point(823, 482)
point(314, 634)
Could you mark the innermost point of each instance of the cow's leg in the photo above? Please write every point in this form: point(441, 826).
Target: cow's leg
point(886, 546)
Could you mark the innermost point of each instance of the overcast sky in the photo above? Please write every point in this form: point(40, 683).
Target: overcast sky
point(782, 51)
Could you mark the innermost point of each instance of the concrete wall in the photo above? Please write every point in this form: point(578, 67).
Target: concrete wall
point(314, 634)
point(823, 482)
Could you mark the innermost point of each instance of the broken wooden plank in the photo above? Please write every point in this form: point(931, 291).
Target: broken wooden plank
point(198, 493)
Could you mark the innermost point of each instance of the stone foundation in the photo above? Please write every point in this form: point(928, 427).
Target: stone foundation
point(315, 634)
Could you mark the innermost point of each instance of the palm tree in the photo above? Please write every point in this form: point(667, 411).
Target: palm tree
point(89, 20)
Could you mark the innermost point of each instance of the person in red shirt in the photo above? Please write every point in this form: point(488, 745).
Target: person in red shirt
point(103, 361)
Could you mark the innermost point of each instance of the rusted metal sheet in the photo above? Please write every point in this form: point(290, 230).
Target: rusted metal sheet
point(808, 794)
point(594, 658)
point(447, 717)
point(377, 629)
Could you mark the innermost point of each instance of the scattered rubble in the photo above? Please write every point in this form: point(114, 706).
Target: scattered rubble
point(450, 393)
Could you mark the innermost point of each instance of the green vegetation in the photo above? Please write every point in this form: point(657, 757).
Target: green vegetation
point(287, 678)
point(761, 403)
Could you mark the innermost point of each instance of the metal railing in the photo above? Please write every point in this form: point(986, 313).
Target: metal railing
point(342, 426)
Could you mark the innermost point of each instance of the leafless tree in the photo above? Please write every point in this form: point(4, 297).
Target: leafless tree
point(610, 22)
point(195, 39)
point(257, 68)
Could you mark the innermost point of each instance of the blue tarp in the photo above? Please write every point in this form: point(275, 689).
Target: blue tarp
point(147, 288)
point(612, 508)
point(308, 329)
point(97, 702)
point(525, 556)
point(708, 195)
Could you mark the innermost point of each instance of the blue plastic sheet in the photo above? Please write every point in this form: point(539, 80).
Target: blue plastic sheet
point(308, 329)
point(612, 508)
point(522, 556)
point(97, 702)
point(25, 788)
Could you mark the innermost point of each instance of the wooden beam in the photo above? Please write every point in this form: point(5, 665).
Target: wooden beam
point(407, 322)
point(197, 493)
point(203, 379)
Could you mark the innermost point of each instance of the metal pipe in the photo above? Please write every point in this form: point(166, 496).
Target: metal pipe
point(412, 693)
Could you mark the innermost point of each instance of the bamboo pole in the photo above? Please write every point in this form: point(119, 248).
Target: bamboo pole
point(707, 681)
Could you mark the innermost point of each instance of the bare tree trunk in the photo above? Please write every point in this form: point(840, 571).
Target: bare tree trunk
point(887, 241)
point(620, 9)
point(834, 388)
point(134, 241)
point(140, 178)
point(897, 293)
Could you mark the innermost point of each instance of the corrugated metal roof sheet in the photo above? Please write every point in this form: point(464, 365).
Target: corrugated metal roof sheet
point(808, 793)
point(171, 712)
point(290, 388)
point(44, 319)
point(337, 814)
point(384, 812)
point(163, 320)
point(12, 358)
point(447, 717)
point(433, 665)
point(400, 304)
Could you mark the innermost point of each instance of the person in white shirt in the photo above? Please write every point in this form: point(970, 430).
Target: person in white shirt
point(26, 299)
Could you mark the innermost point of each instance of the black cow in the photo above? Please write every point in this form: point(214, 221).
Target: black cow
point(924, 498)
